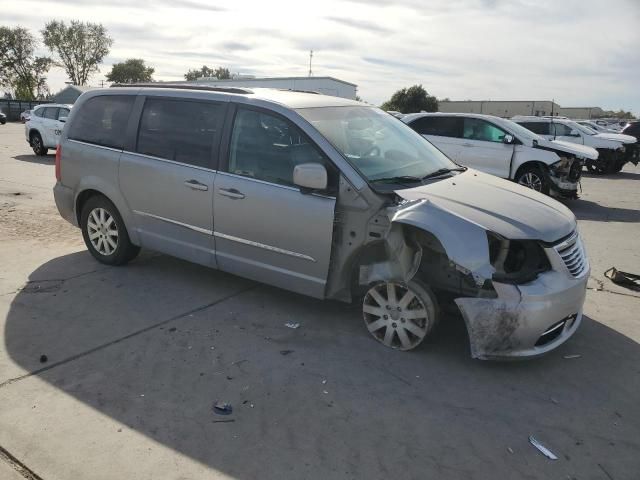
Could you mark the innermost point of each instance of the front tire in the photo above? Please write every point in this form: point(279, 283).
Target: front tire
point(532, 176)
point(398, 315)
point(37, 145)
point(105, 234)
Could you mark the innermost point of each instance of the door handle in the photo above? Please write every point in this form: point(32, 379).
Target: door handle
point(196, 185)
point(231, 193)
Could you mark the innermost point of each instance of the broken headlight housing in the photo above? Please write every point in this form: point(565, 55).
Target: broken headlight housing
point(516, 261)
point(561, 166)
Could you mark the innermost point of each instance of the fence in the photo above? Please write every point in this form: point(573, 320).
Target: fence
point(13, 108)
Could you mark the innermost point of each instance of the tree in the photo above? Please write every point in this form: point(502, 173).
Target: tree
point(220, 73)
point(79, 46)
point(411, 100)
point(132, 70)
point(20, 70)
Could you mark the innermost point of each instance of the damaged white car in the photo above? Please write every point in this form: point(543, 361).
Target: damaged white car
point(503, 148)
point(326, 197)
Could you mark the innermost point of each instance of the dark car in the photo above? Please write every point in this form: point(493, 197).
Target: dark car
point(3, 118)
point(633, 129)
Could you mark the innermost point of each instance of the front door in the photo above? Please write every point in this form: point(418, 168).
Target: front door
point(265, 228)
point(483, 147)
point(49, 126)
point(168, 180)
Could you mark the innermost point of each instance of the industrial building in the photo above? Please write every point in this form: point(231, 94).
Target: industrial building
point(325, 85)
point(511, 108)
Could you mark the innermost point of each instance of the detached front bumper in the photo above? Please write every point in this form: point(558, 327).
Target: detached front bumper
point(529, 320)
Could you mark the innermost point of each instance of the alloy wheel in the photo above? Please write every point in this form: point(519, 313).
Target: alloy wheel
point(103, 231)
point(396, 315)
point(531, 180)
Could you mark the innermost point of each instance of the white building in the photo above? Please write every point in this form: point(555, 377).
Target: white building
point(511, 108)
point(325, 85)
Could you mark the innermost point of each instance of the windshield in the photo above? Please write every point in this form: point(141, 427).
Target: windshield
point(376, 144)
point(518, 130)
point(581, 128)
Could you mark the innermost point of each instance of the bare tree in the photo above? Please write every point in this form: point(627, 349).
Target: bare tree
point(80, 47)
point(20, 69)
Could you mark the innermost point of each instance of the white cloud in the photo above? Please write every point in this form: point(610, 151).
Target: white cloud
point(577, 52)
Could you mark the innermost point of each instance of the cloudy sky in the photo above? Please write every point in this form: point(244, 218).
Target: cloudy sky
point(579, 52)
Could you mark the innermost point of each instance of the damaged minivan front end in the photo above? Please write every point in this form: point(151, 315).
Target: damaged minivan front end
point(424, 234)
point(529, 274)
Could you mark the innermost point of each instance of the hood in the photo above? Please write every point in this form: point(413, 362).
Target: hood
point(497, 205)
point(618, 137)
point(580, 151)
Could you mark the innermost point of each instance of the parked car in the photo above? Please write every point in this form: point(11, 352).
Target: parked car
point(3, 118)
point(614, 149)
point(594, 126)
point(44, 127)
point(326, 197)
point(633, 129)
point(24, 116)
point(505, 149)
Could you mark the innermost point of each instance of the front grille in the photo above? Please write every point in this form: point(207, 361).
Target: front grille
point(573, 255)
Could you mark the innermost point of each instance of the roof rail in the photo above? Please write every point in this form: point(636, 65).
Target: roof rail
point(298, 91)
point(186, 86)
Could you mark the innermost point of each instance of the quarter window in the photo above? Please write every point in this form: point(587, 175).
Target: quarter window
point(38, 112)
point(180, 130)
point(64, 112)
point(477, 129)
point(268, 148)
point(103, 120)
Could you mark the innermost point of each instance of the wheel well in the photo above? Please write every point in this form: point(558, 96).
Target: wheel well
point(540, 165)
point(32, 132)
point(82, 199)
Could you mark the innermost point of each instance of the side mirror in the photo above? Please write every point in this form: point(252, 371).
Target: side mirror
point(312, 176)
point(62, 119)
point(508, 139)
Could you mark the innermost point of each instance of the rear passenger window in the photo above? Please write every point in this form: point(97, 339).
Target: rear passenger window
point(39, 112)
point(179, 130)
point(103, 120)
point(541, 128)
point(436, 125)
point(64, 112)
point(51, 113)
point(267, 147)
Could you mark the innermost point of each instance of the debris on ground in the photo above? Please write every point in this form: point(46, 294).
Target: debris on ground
point(325, 392)
point(172, 329)
point(575, 355)
point(43, 359)
point(624, 279)
point(285, 352)
point(292, 325)
point(231, 420)
point(510, 450)
point(544, 450)
point(222, 408)
point(324, 382)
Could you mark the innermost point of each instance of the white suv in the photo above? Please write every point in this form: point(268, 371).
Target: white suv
point(615, 149)
point(505, 149)
point(44, 126)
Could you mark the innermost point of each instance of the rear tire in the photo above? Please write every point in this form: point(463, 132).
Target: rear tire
point(104, 232)
point(532, 176)
point(37, 145)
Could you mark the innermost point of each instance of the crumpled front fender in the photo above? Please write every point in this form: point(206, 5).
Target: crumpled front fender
point(464, 242)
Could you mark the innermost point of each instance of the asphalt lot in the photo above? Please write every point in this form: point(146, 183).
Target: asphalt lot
point(137, 355)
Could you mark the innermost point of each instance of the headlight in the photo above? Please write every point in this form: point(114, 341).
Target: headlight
point(563, 165)
point(516, 261)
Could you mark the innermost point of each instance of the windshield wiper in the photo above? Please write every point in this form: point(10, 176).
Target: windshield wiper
point(442, 171)
point(398, 179)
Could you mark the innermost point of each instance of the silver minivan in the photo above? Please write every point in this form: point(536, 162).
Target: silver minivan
point(327, 197)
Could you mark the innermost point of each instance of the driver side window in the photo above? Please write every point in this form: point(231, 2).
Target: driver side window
point(267, 147)
point(477, 129)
